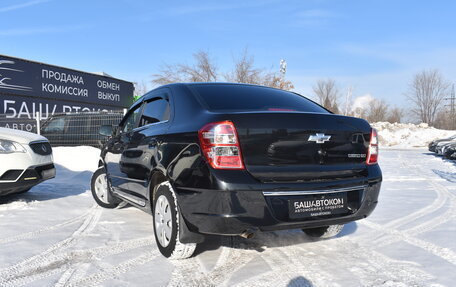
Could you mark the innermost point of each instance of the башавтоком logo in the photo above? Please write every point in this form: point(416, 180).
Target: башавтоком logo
point(5, 82)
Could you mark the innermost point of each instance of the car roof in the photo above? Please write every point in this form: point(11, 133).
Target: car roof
point(190, 84)
point(219, 84)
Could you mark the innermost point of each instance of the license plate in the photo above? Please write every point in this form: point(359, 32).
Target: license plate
point(48, 173)
point(318, 205)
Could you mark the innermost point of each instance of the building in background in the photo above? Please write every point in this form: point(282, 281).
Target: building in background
point(28, 88)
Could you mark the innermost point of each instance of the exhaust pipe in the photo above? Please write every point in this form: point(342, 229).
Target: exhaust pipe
point(248, 234)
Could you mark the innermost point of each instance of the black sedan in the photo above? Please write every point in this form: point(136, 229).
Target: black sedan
point(235, 159)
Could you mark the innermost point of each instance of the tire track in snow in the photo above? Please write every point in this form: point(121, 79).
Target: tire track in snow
point(35, 233)
point(426, 226)
point(232, 258)
point(242, 252)
point(287, 267)
point(444, 253)
point(38, 263)
point(290, 260)
point(182, 268)
point(437, 204)
point(442, 196)
point(375, 269)
point(113, 272)
point(431, 223)
point(436, 221)
point(95, 254)
point(303, 261)
point(70, 262)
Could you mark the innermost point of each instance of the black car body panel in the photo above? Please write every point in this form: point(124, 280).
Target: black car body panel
point(281, 164)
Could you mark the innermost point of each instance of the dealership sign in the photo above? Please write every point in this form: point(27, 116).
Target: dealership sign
point(29, 87)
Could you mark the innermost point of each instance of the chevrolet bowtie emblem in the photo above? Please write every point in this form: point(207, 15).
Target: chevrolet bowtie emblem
point(319, 138)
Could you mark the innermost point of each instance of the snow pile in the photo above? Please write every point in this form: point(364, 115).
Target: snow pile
point(80, 158)
point(408, 135)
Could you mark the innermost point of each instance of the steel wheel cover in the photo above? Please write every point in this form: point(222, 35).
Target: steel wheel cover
point(163, 221)
point(101, 188)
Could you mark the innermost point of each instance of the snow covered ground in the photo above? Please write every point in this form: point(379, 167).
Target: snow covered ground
point(55, 235)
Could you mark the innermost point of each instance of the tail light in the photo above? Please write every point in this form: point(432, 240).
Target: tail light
point(220, 145)
point(372, 154)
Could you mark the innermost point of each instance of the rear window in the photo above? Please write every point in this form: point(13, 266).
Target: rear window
point(252, 98)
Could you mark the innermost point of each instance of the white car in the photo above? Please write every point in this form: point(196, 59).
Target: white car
point(26, 160)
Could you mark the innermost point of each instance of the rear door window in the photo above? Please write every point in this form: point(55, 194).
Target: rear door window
point(155, 111)
point(252, 98)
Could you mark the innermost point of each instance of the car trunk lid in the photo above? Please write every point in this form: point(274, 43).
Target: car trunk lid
point(299, 146)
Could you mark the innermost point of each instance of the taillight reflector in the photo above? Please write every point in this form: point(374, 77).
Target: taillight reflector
point(372, 155)
point(220, 145)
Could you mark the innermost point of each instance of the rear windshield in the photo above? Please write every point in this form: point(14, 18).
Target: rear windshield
point(252, 98)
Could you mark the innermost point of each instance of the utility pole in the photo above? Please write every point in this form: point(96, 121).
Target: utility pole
point(283, 67)
point(452, 99)
point(347, 99)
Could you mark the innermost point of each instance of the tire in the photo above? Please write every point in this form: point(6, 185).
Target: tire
point(166, 224)
point(324, 231)
point(101, 191)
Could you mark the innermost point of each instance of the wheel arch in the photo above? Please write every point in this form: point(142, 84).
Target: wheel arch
point(157, 176)
point(185, 235)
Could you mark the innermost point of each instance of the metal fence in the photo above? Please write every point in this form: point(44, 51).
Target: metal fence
point(67, 129)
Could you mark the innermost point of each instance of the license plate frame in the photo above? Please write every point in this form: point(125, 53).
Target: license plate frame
point(316, 205)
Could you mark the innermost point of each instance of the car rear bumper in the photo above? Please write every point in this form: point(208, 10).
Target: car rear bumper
point(263, 207)
point(26, 179)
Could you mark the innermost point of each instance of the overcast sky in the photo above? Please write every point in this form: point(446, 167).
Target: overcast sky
point(374, 46)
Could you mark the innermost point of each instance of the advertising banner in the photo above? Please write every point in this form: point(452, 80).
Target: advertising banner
point(28, 87)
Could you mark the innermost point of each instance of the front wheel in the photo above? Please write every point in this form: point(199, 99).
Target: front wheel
point(100, 190)
point(324, 231)
point(166, 224)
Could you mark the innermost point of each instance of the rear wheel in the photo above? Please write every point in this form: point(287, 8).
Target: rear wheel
point(324, 231)
point(166, 224)
point(100, 190)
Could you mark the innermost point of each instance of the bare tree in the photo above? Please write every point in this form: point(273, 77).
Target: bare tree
point(245, 72)
point(204, 70)
point(348, 101)
point(426, 92)
point(140, 89)
point(277, 81)
point(168, 74)
point(395, 115)
point(377, 112)
point(327, 94)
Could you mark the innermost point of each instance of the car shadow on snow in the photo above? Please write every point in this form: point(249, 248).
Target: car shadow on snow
point(449, 176)
point(299, 282)
point(449, 160)
point(263, 240)
point(66, 183)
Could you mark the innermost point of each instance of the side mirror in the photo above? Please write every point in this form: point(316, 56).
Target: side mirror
point(106, 130)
